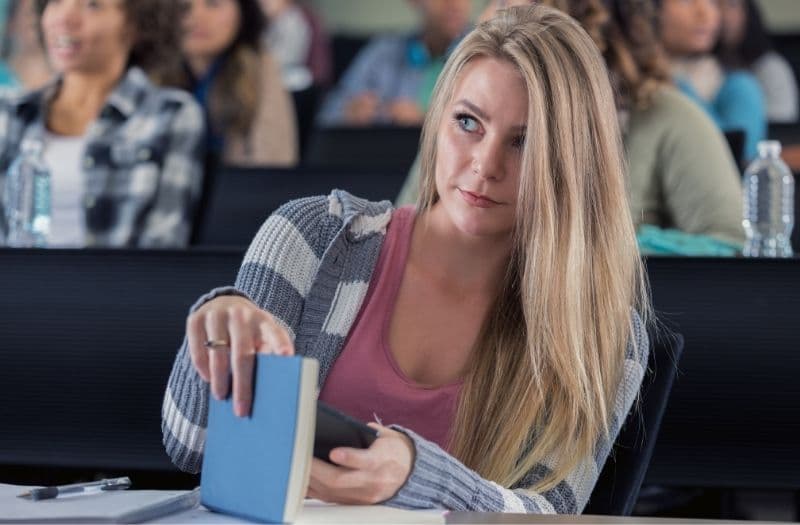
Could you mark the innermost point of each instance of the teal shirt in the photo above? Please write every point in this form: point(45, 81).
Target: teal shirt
point(7, 77)
point(738, 105)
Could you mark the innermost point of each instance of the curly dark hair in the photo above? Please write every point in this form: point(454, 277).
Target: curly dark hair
point(156, 24)
point(236, 90)
point(755, 41)
point(625, 32)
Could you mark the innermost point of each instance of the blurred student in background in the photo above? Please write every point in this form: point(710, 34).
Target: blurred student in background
point(680, 170)
point(124, 155)
point(689, 30)
point(297, 40)
point(391, 80)
point(249, 114)
point(745, 44)
point(23, 61)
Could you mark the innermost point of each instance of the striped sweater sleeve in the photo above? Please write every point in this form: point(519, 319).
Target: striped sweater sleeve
point(276, 274)
point(438, 480)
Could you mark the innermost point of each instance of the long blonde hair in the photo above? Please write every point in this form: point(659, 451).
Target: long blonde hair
point(550, 355)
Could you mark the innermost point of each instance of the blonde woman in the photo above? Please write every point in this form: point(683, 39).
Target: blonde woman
point(493, 329)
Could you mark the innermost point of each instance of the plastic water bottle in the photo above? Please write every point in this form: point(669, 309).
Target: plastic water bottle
point(26, 198)
point(768, 204)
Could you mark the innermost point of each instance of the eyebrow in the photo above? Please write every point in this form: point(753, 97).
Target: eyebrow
point(475, 109)
point(482, 114)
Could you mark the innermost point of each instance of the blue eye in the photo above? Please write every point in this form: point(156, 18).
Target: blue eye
point(467, 123)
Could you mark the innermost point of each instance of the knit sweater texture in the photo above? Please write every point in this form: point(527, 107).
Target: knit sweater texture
point(310, 266)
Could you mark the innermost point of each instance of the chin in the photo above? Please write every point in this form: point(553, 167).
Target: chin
point(478, 223)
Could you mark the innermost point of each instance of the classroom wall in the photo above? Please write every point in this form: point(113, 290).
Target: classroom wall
point(782, 16)
point(370, 16)
point(361, 17)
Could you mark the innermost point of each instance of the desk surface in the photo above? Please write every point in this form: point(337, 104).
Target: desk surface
point(491, 518)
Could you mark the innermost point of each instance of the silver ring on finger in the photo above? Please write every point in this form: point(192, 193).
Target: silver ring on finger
point(218, 344)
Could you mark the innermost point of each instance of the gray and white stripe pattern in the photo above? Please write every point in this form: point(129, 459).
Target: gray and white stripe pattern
point(310, 266)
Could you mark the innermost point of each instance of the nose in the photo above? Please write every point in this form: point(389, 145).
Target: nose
point(65, 14)
point(487, 159)
point(706, 10)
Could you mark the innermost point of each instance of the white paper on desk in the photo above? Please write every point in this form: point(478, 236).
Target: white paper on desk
point(117, 506)
point(315, 511)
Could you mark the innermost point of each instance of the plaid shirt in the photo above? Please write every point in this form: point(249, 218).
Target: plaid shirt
point(142, 163)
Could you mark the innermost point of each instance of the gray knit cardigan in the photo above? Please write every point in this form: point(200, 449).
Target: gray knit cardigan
point(310, 266)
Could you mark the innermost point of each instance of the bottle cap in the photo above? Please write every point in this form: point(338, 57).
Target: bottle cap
point(769, 148)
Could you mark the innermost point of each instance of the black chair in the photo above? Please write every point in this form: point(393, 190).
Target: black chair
point(736, 140)
point(345, 48)
point(89, 337)
point(242, 198)
point(306, 103)
point(795, 238)
point(788, 45)
point(375, 147)
point(786, 134)
point(617, 488)
point(731, 420)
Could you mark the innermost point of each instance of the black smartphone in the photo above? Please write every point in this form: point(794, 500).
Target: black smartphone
point(336, 429)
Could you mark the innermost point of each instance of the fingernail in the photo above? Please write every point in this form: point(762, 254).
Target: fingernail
point(337, 456)
point(240, 408)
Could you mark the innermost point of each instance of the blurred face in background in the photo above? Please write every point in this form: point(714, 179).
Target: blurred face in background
point(734, 21)
point(689, 27)
point(210, 27)
point(273, 8)
point(447, 18)
point(87, 36)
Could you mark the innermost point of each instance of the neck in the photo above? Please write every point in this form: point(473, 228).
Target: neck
point(87, 90)
point(456, 259)
point(199, 66)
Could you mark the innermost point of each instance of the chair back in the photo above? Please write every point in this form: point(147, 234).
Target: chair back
point(241, 199)
point(736, 141)
point(89, 338)
point(618, 485)
point(391, 148)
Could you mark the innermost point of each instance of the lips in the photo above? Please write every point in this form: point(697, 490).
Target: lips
point(64, 46)
point(478, 200)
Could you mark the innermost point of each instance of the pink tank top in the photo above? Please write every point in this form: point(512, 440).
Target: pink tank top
point(365, 381)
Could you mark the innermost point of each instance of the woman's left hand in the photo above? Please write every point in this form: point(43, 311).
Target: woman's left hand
point(364, 476)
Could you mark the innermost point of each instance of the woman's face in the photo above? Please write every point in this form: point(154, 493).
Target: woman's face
point(734, 20)
point(88, 36)
point(210, 27)
point(479, 148)
point(689, 27)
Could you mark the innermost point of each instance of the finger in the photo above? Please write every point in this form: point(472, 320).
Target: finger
point(195, 338)
point(382, 430)
point(354, 458)
point(275, 339)
point(242, 361)
point(218, 360)
point(327, 479)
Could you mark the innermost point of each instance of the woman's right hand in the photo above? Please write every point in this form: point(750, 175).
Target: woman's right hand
point(224, 336)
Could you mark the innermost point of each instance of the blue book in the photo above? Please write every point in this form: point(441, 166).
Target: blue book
point(258, 467)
